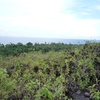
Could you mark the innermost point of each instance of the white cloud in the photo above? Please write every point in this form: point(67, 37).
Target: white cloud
point(85, 13)
point(41, 6)
point(46, 16)
point(61, 24)
point(97, 7)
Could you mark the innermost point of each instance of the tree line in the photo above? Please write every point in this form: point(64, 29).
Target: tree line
point(17, 49)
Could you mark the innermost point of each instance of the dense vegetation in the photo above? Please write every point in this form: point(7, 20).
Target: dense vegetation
point(16, 49)
point(53, 71)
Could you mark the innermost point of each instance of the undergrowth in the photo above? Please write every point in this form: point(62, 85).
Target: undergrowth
point(49, 76)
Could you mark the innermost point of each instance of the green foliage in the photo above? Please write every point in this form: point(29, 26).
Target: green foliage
point(45, 93)
point(95, 93)
point(6, 85)
point(47, 71)
point(17, 49)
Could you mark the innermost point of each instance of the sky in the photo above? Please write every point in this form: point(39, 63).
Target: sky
point(73, 19)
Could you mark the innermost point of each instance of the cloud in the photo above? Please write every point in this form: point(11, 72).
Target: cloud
point(97, 7)
point(85, 13)
point(41, 6)
point(61, 25)
point(42, 18)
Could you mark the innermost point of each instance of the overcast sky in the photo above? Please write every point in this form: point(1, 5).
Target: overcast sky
point(50, 18)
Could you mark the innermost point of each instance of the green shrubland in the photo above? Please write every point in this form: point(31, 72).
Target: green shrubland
point(49, 71)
